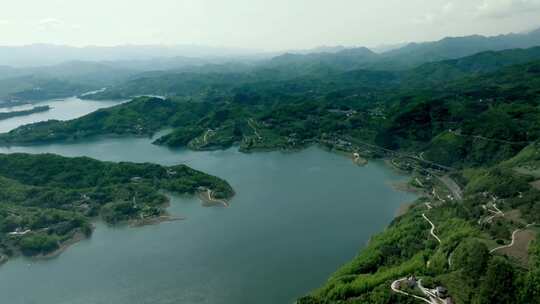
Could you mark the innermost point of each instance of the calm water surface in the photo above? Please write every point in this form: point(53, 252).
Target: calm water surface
point(295, 219)
point(61, 109)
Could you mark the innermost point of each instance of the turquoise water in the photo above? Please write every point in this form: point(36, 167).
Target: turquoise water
point(295, 219)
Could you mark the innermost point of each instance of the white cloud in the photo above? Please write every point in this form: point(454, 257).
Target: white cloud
point(425, 19)
point(49, 22)
point(448, 8)
point(438, 14)
point(506, 8)
point(259, 23)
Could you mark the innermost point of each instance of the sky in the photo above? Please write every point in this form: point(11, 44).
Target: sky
point(268, 25)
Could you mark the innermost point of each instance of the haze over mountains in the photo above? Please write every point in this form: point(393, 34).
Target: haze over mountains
point(459, 116)
point(49, 54)
point(450, 47)
point(42, 71)
point(414, 54)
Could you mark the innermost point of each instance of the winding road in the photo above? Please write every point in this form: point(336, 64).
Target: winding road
point(496, 213)
point(436, 195)
point(432, 231)
point(513, 239)
point(452, 186)
point(430, 298)
point(205, 137)
point(250, 123)
point(213, 200)
point(430, 293)
point(492, 139)
point(395, 288)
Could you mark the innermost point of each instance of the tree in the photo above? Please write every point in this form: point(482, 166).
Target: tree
point(471, 256)
point(531, 288)
point(498, 286)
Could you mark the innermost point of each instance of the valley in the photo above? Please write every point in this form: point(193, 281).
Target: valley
point(253, 181)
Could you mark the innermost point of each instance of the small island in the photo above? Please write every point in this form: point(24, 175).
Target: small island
point(48, 202)
point(39, 109)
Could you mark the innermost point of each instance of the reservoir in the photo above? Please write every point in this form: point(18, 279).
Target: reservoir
point(295, 219)
point(61, 109)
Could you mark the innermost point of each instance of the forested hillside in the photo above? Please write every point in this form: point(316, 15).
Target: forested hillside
point(48, 201)
point(466, 130)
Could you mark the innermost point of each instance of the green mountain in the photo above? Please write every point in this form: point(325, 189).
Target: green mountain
point(466, 129)
point(406, 57)
point(348, 59)
point(473, 120)
point(32, 88)
point(270, 83)
point(481, 63)
point(48, 201)
point(457, 47)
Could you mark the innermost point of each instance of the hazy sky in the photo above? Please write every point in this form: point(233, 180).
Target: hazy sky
point(259, 24)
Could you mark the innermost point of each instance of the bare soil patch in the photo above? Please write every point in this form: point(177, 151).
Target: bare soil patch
point(536, 184)
point(520, 250)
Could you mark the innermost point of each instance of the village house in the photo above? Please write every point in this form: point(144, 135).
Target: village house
point(441, 292)
point(136, 179)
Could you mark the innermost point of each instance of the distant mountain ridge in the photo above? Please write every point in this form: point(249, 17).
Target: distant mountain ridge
point(149, 57)
point(341, 60)
point(310, 72)
point(410, 55)
point(477, 64)
point(457, 47)
point(49, 54)
point(416, 63)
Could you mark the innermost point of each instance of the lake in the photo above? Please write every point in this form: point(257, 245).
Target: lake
point(61, 109)
point(296, 218)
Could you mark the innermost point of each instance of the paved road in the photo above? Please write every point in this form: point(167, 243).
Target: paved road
point(430, 298)
point(434, 299)
point(395, 288)
point(398, 154)
point(219, 201)
point(514, 234)
point(496, 213)
point(432, 231)
point(251, 124)
point(452, 186)
point(492, 139)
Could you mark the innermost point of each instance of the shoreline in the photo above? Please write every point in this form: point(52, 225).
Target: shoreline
point(403, 209)
point(404, 186)
point(154, 220)
point(360, 161)
point(79, 236)
point(209, 201)
point(74, 239)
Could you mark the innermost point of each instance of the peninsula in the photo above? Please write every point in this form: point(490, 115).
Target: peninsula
point(49, 201)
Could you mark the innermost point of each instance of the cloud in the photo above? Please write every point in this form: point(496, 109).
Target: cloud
point(425, 19)
point(448, 8)
point(436, 15)
point(49, 22)
point(506, 8)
